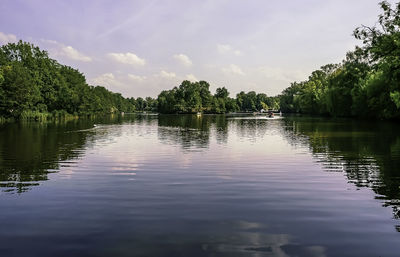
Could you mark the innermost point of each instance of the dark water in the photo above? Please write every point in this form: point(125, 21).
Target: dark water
point(200, 186)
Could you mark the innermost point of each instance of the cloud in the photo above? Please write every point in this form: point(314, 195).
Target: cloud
point(237, 53)
point(233, 69)
point(191, 77)
point(183, 59)
point(167, 75)
point(7, 38)
point(136, 77)
point(106, 79)
point(49, 41)
point(228, 49)
point(132, 85)
point(59, 49)
point(72, 53)
point(119, 83)
point(127, 58)
point(223, 49)
point(281, 74)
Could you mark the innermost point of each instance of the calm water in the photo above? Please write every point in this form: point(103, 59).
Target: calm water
point(208, 186)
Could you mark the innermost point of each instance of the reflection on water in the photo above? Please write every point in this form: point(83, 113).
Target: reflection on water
point(190, 131)
point(187, 130)
point(214, 185)
point(368, 152)
point(29, 151)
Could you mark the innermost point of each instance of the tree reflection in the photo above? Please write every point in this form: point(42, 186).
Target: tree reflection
point(191, 132)
point(368, 153)
point(252, 128)
point(221, 128)
point(29, 151)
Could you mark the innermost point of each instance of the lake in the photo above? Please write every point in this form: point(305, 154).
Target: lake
point(215, 185)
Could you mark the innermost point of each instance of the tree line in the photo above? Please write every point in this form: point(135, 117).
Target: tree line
point(192, 97)
point(366, 84)
point(34, 86)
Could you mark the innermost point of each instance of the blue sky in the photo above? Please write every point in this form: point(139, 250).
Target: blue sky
point(139, 48)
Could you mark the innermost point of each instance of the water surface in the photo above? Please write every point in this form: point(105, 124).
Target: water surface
point(214, 185)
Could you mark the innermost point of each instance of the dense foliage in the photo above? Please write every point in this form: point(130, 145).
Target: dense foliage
point(365, 84)
point(192, 97)
point(34, 86)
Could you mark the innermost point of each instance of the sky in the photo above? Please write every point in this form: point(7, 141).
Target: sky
point(139, 48)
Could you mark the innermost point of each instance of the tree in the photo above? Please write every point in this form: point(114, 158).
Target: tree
point(382, 49)
point(31, 82)
point(222, 92)
point(261, 101)
point(18, 89)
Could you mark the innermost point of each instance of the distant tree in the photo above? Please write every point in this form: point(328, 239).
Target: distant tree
point(221, 92)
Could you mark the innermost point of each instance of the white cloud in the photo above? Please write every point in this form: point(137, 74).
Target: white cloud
point(72, 53)
point(237, 53)
point(167, 75)
point(233, 69)
point(228, 49)
point(223, 49)
point(183, 59)
point(118, 83)
point(7, 38)
point(136, 77)
point(132, 85)
point(281, 74)
point(105, 79)
point(191, 77)
point(59, 49)
point(49, 41)
point(127, 58)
